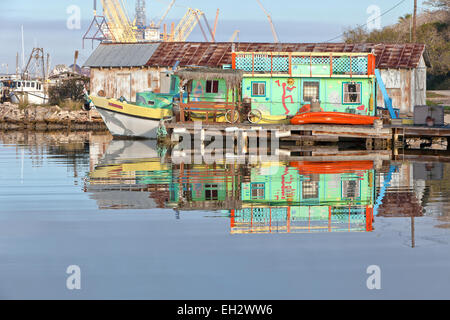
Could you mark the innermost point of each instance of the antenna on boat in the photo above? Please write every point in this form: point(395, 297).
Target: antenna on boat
point(23, 51)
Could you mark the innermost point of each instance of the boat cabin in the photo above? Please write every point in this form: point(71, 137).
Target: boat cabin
point(30, 85)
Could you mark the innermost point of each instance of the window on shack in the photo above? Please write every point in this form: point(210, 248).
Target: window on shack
point(211, 192)
point(258, 191)
point(350, 189)
point(310, 91)
point(258, 89)
point(352, 92)
point(212, 86)
point(310, 189)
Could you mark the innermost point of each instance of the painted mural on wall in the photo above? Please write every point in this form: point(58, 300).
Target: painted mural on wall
point(287, 95)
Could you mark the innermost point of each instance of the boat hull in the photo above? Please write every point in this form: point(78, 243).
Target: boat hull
point(332, 118)
point(120, 124)
point(129, 120)
point(29, 97)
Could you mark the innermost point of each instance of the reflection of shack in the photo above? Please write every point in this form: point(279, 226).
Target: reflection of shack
point(211, 187)
point(400, 204)
point(401, 199)
point(307, 197)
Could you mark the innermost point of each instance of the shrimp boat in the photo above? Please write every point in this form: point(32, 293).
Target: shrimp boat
point(134, 119)
point(29, 91)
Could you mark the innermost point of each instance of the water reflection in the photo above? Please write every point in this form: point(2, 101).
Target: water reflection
point(284, 196)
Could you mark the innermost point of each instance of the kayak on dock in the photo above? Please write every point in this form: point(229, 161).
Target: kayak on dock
point(331, 167)
point(332, 118)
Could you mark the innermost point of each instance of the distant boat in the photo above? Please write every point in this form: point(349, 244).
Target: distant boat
point(30, 91)
point(333, 118)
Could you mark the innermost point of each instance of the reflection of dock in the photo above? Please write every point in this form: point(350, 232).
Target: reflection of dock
point(379, 138)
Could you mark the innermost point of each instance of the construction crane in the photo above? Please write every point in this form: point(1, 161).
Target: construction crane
point(274, 32)
point(187, 24)
point(158, 25)
point(118, 21)
point(234, 36)
point(215, 25)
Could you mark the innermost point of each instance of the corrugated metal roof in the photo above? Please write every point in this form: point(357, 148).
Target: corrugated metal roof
point(219, 53)
point(121, 55)
point(398, 56)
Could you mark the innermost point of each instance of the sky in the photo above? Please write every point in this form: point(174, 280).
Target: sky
point(45, 22)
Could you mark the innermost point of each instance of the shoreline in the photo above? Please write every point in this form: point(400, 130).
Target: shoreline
point(48, 118)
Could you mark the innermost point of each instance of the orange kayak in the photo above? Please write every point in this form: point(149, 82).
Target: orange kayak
point(332, 118)
point(331, 167)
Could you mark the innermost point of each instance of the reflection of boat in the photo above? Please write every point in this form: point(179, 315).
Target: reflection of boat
point(332, 118)
point(139, 119)
point(119, 151)
point(329, 167)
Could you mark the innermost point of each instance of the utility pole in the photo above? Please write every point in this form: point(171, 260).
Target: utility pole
point(414, 22)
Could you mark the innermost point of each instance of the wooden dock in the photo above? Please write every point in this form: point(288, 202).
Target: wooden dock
point(375, 137)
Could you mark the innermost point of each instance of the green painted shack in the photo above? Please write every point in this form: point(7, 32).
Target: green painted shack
point(284, 83)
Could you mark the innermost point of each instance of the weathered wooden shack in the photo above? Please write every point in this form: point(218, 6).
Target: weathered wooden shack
point(120, 70)
point(402, 66)
point(124, 69)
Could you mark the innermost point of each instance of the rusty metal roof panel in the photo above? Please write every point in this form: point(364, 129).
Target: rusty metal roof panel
point(395, 56)
point(121, 55)
point(217, 54)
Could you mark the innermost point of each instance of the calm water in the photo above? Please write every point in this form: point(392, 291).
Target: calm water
point(140, 226)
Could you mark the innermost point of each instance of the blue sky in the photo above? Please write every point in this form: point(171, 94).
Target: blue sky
point(296, 21)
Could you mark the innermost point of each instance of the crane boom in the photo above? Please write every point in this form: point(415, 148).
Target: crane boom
point(274, 32)
point(234, 35)
point(118, 21)
point(165, 14)
point(215, 24)
point(187, 24)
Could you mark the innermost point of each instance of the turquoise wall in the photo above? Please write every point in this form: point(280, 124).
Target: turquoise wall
point(281, 98)
point(284, 184)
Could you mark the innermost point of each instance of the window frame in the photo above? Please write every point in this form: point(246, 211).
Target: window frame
point(212, 86)
point(307, 186)
point(360, 93)
point(259, 83)
point(316, 83)
point(210, 188)
point(258, 186)
point(345, 187)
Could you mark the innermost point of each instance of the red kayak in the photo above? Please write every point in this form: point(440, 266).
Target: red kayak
point(332, 118)
point(331, 167)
